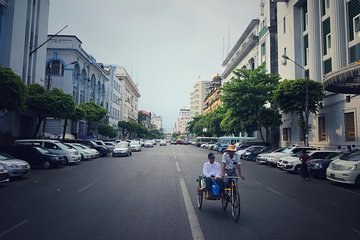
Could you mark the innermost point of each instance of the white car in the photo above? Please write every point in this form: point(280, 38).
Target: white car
point(84, 153)
point(162, 142)
point(273, 158)
point(110, 145)
point(293, 163)
point(345, 169)
point(15, 167)
point(94, 152)
point(135, 146)
point(149, 143)
point(261, 158)
point(122, 149)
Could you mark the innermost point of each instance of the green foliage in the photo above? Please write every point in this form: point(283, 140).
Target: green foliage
point(78, 114)
point(12, 91)
point(107, 131)
point(290, 95)
point(93, 112)
point(244, 99)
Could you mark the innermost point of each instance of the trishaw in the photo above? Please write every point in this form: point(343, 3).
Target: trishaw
point(230, 195)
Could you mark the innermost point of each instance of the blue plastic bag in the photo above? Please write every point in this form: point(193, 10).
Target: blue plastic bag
point(215, 188)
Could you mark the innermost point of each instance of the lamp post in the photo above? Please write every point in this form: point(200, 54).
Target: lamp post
point(306, 101)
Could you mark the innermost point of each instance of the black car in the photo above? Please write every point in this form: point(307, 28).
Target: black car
point(317, 167)
point(36, 156)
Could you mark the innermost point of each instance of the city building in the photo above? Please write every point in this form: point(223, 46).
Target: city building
point(182, 121)
point(197, 97)
point(130, 96)
point(23, 30)
point(323, 39)
point(145, 119)
point(70, 68)
point(212, 99)
point(156, 122)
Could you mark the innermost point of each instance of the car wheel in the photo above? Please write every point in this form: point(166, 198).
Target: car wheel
point(82, 158)
point(66, 161)
point(46, 165)
point(357, 181)
point(297, 169)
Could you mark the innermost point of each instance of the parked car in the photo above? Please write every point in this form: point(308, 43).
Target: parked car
point(55, 146)
point(317, 167)
point(345, 169)
point(135, 146)
point(103, 151)
point(252, 155)
point(35, 155)
point(250, 151)
point(162, 142)
point(122, 149)
point(84, 153)
point(110, 145)
point(293, 163)
point(261, 158)
point(15, 167)
point(274, 157)
point(179, 142)
point(93, 151)
point(149, 143)
point(4, 176)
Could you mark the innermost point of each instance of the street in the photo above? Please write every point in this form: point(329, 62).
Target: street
point(151, 195)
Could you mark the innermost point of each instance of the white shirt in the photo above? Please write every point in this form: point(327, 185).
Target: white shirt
point(211, 169)
point(231, 162)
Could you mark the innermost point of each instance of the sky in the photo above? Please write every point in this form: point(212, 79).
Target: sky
point(165, 45)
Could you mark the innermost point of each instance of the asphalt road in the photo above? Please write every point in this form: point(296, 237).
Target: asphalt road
point(151, 195)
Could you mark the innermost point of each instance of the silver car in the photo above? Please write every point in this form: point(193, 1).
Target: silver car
point(15, 167)
point(4, 176)
point(121, 149)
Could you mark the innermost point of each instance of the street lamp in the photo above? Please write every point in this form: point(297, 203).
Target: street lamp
point(306, 101)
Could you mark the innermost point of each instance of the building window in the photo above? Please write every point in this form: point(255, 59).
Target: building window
point(326, 31)
point(349, 127)
point(321, 127)
point(284, 24)
point(325, 7)
point(328, 42)
point(286, 134)
point(356, 26)
point(55, 67)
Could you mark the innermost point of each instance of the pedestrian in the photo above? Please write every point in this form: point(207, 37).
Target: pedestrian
point(304, 158)
point(349, 149)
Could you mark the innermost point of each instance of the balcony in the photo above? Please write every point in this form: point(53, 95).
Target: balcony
point(346, 80)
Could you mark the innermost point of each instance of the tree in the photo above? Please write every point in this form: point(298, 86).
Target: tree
point(77, 115)
point(12, 91)
point(244, 99)
point(93, 115)
point(290, 96)
point(124, 127)
point(106, 130)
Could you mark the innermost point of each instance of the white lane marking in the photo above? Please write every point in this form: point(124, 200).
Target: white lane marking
point(87, 186)
point(193, 220)
point(272, 190)
point(173, 153)
point(12, 228)
point(178, 166)
point(348, 191)
point(355, 230)
point(260, 183)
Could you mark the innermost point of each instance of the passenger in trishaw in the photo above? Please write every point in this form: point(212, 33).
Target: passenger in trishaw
point(211, 172)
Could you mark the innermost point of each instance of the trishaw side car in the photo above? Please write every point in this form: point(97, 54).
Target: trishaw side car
point(230, 195)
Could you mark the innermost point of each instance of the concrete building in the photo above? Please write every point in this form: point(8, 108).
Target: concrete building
point(212, 99)
point(156, 122)
point(70, 68)
point(145, 119)
point(130, 96)
point(182, 121)
point(323, 37)
point(197, 97)
point(23, 28)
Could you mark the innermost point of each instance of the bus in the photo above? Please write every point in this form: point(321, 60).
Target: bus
point(202, 140)
point(223, 142)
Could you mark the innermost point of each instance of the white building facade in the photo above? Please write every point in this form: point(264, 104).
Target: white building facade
point(130, 95)
point(197, 97)
point(23, 28)
point(157, 121)
point(324, 38)
point(182, 121)
point(70, 68)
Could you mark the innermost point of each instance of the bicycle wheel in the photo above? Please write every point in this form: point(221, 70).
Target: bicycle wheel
point(235, 204)
point(200, 198)
point(225, 200)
